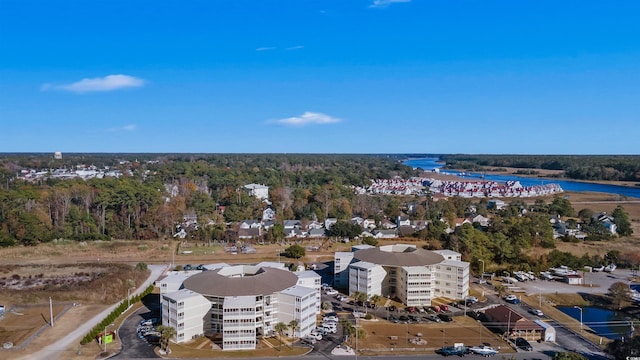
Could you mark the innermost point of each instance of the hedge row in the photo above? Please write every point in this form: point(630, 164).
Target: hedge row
point(122, 307)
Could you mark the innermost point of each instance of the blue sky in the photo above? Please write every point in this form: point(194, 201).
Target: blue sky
point(312, 76)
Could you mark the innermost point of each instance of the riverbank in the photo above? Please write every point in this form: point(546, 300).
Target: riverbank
point(552, 175)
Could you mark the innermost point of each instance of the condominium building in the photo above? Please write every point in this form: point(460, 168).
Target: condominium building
point(412, 275)
point(243, 304)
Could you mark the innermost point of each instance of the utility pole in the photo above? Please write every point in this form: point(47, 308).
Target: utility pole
point(51, 310)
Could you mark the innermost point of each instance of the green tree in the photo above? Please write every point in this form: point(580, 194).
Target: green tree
point(294, 251)
point(166, 333)
point(280, 328)
point(623, 350)
point(369, 240)
point(619, 293)
point(294, 325)
point(621, 219)
point(343, 228)
point(568, 356)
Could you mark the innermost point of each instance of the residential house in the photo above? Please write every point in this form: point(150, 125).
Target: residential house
point(481, 220)
point(328, 223)
point(268, 214)
point(259, 191)
point(385, 234)
point(403, 220)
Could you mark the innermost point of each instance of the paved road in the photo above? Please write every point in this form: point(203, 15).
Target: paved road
point(54, 351)
point(132, 346)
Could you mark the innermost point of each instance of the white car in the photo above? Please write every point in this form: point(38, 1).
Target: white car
point(471, 299)
point(358, 314)
point(536, 312)
point(309, 339)
point(316, 335)
point(332, 292)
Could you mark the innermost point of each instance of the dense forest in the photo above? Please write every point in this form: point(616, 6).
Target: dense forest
point(579, 167)
point(156, 192)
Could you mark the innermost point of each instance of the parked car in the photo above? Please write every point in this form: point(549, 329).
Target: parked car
point(445, 317)
point(309, 339)
point(444, 307)
point(523, 344)
point(358, 314)
point(471, 299)
point(536, 312)
point(433, 317)
point(452, 350)
point(403, 319)
point(392, 308)
point(316, 335)
point(394, 319)
point(512, 299)
point(332, 292)
point(410, 309)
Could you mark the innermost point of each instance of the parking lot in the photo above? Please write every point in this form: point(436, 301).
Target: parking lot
point(132, 345)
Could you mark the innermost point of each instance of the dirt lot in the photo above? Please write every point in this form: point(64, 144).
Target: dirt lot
point(380, 335)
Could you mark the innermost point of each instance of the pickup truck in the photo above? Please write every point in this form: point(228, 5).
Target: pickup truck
point(453, 350)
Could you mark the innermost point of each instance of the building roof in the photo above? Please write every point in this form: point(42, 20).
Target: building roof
point(182, 295)
point(510, 319)
point(399, 255)
point(241, 280)
point(364, 265)
point(307, 274)
point(299, 291)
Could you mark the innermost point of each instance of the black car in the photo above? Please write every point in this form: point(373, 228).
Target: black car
point(404, 319)
point(445, 317)
point(392, 308)
point(394, 319)
point(523, 344)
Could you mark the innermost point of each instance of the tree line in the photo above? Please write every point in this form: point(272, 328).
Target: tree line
point(579, 167)
point(138, 205)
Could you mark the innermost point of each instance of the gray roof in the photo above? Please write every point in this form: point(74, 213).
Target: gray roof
point(241, 280)
point(406, 257)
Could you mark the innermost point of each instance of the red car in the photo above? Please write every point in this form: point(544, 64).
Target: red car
point(444, 307)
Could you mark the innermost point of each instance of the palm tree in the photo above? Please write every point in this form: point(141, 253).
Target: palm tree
point(360, 297)
point(375, 299)
point(294, 325)
point(166, 333)
point(347, 327)
point(280, 328)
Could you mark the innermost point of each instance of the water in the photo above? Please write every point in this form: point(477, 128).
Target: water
point(607, 323)
point(429, 164)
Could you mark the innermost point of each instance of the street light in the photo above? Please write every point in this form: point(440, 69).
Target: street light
point(129, 297)
point(104, 337)
point(539, 297)
point(579, 308)
point(356, 338)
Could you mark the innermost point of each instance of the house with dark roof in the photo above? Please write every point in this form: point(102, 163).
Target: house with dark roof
point(512, 324)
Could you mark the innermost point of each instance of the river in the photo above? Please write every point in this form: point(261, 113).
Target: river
point(429, 164)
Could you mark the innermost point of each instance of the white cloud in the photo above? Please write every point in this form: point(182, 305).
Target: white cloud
point(130, 127)
point(295, 47)
point(307, 118)
point(385, 3)
point(266, 48)
point(107, 83)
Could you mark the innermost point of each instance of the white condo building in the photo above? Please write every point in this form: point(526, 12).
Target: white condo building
point(243, 304)
point(414, 276)
point(185, 311)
